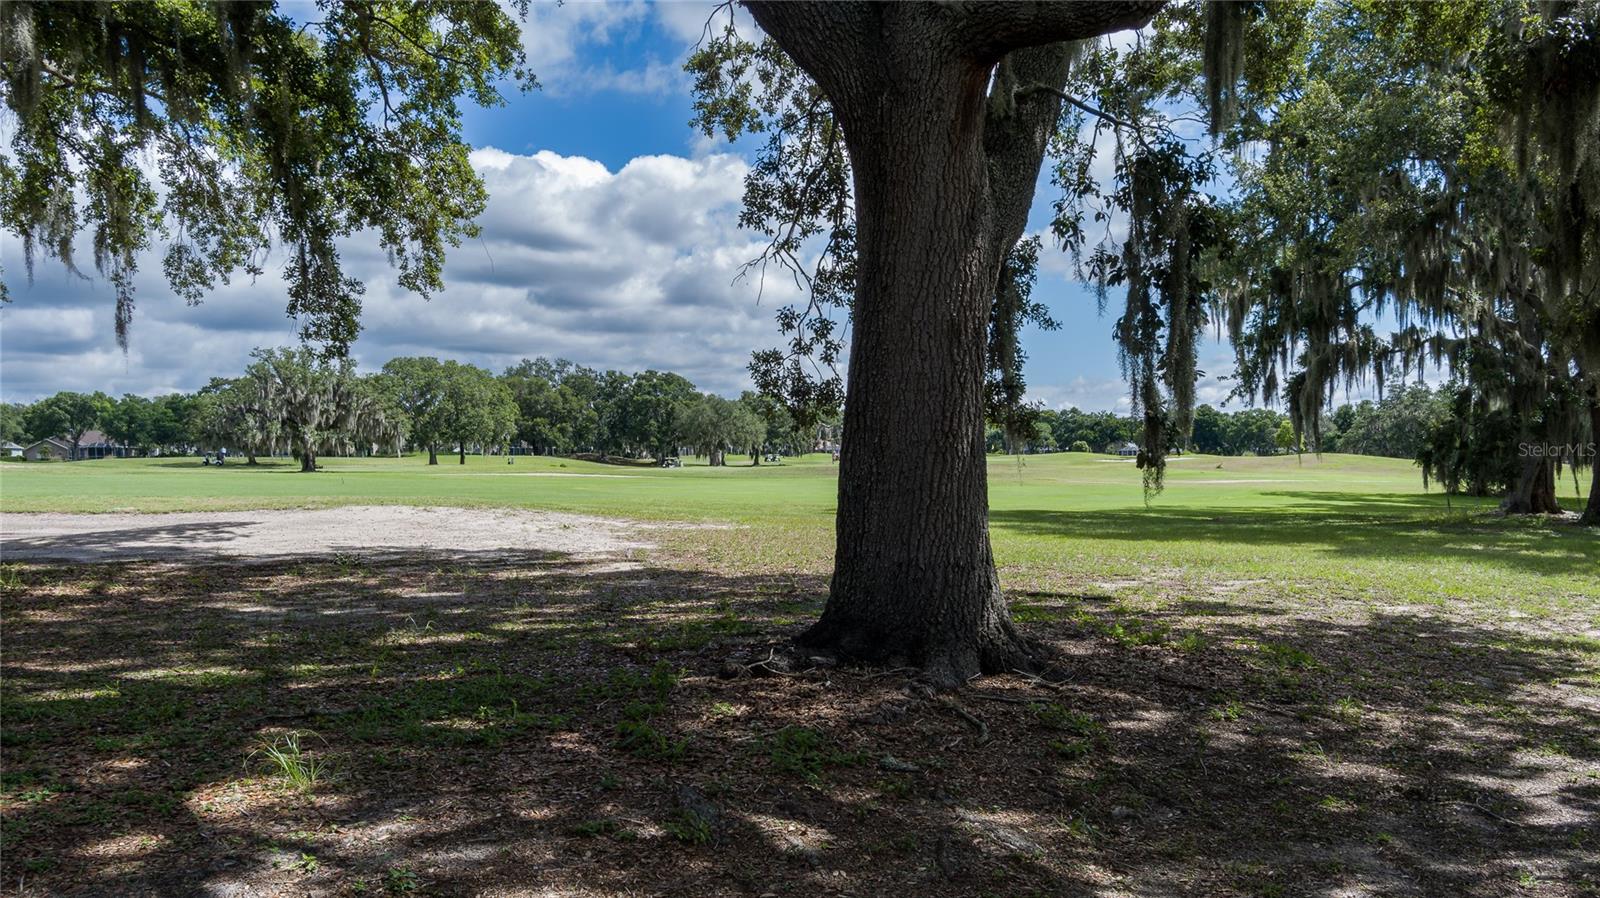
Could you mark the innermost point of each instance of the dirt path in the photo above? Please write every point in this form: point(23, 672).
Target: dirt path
point(269, 534)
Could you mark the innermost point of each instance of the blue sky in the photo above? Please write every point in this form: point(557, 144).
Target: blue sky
point(1074, 365)
point(610, 239)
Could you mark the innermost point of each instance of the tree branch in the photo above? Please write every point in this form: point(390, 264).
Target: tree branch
point(1074, 101)
point(831, 40)
point(993, 28)
point(1016, 134)
point(444, 58)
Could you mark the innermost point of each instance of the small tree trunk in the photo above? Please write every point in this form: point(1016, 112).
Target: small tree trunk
point(1535, 489)
point(433, 454)
point(462, 448)
point(250, 457)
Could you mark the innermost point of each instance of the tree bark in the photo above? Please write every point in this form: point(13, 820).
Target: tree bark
point(1535, 489)
point(914, 579)
point(308, 462)
point(433, 454)
point(462, 448)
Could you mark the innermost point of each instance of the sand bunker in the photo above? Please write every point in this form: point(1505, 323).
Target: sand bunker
point(269, 534)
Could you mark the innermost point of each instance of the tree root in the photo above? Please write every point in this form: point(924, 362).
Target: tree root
point(971, 719)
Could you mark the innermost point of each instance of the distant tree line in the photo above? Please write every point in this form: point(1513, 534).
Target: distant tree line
point(293, 401)
point(1253, 431)
point(297, 402)
point(1413, 422)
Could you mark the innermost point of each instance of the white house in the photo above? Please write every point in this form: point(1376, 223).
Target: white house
point(10, 450)
point(1128, 450)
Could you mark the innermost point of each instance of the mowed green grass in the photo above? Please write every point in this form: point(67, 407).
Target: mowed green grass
point(797, 487)
point(1324, 675)
point(694, 492)
point(1309, 528)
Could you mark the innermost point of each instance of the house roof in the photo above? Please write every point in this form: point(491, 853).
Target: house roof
point(64, 444)
point(9, 445)
point(92, 438)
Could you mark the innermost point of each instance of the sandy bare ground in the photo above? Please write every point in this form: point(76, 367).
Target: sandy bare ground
point(274, 534)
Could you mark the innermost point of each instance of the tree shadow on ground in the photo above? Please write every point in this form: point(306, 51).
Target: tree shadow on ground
point(544, 724)
point(119, 543)
point(262, 465)
point(1335, 525)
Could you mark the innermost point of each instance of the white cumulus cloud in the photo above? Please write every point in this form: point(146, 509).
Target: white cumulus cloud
point(627, 269)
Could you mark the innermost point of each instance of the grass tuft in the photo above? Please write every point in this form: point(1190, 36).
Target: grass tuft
point(806, 753)
point(1083, 734)
point(688, 827)
point(291, 764)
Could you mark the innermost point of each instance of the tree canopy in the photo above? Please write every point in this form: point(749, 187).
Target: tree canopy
point(224, 128)
point(66, 414)
point(316, 404)
point(1429, 164)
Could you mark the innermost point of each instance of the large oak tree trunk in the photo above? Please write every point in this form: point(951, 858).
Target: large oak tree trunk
point(938, 200)
point(914, 579)
point(308, 461)
point(1535, 489)
point(433, 455)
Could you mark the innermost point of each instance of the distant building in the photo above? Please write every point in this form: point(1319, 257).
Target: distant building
point(93, 444)
point(1128, 450)
point(10, 450)
point(47, 449)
